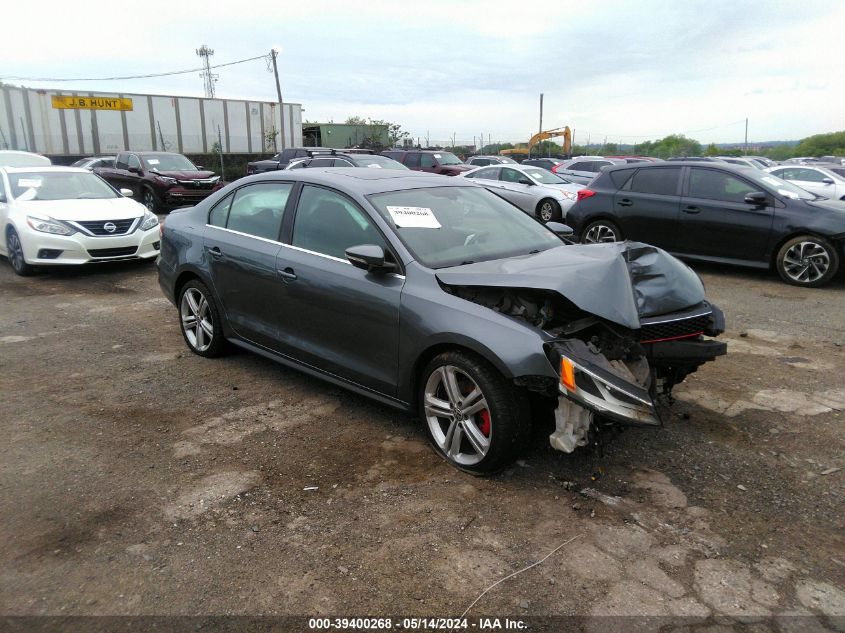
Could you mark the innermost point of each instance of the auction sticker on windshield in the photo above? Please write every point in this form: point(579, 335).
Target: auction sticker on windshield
point(29, 182)
point(413, 217)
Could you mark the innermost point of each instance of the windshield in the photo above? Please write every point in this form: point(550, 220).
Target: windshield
point(60, 185)
point(784, 188)
point(376, 162)
point(450, 226)
point(447, 158)
point(543, 176)
point(168, 162)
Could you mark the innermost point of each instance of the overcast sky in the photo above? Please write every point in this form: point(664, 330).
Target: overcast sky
point(626, 70)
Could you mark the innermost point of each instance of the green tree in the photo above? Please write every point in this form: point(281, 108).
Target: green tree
point(672, 145)
point(831, 144)
point(711, 150)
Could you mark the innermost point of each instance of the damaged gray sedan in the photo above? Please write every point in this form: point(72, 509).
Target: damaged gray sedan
point(437, 297)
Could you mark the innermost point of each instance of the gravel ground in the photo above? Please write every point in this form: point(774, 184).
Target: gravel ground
point(137, 478)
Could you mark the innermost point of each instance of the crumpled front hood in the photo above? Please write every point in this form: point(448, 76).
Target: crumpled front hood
point(620, 282)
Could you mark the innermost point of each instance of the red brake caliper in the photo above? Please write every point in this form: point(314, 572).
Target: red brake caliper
point(484, 427)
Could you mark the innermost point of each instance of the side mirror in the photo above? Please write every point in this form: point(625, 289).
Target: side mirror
point(525, 181)
point(563, 231)
point(757, 198)
point(199, 167)
point(126, 193)
point(827, 181)
point(369, 257)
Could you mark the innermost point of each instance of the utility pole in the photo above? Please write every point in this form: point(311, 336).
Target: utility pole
point(208, 78)
point(541, 124)
point(274, 53)
point(746, 136)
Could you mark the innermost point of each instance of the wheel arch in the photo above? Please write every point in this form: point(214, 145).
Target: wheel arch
point(425, 356)
point(773, 255)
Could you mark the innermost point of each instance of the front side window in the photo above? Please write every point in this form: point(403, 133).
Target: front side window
point(809, 175)
point(511, 175)
point(329, 223)
point(258, 209)
point(448, 158)
point(322, 162)
point(662, 181)
point(133, 162)
point(480, 162)
point(717, 185)
point(584, 165)
point(413, 159)
point(426, 160)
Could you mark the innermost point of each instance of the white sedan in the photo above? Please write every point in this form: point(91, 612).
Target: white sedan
point(63, 215)
point(538, 192)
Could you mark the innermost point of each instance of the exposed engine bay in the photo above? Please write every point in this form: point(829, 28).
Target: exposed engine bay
point(609, 371)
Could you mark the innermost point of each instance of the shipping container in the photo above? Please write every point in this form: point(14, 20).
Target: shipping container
point(76, 123)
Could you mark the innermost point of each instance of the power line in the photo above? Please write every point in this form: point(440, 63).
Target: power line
point(148, 76)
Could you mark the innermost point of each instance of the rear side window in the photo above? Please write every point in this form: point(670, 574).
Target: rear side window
point(412, 160)
point(322, 162)
point(809, 175)
point(489, 174)
point(585, 165)
point(257, 209)
point(288, 154)
point(220, 213)
point(620, 177)
point(663, 181)
point(328, 223)
point(480, 162)
point(718, 185)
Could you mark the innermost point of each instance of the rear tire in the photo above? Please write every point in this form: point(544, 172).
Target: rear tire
point(199, 320)
point(475, 418)
point(601, 232)
point(807, 261)
point(548, 210)
point(14, 252)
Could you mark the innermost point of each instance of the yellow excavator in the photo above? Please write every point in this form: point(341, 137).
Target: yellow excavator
point(565, 132)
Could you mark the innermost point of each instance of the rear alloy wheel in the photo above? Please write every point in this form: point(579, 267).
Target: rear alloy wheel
point(601, 232)
point(14, 251)
point(473, 416)
point(548, 211)
point(149, 200)
point(807, 261)
point(199, 320)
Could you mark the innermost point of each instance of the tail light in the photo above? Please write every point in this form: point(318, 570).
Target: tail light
point(585, 193)
point(554, 168)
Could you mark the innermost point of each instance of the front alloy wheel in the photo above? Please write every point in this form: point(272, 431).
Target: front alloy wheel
point(548, 210)
point(473, 416)
point(199, 320)
point(14, 251)
point(807, 261)
point(149, 201)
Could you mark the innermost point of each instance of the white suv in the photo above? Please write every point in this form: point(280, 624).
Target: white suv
point(64, 215)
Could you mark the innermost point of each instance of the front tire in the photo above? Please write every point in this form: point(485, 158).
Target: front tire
point(548, 211)
point(14, 251)
point(474, 417)
point(807, 261)
point(601, 232)
point(150, 200)
point(199, 320)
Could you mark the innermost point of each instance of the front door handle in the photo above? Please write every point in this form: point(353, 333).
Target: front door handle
point(215, 252)
point(625, 202)
point(691, 209)
point(287, 274)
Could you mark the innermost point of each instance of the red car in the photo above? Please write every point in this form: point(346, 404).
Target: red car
point(161, 180)
point(431, 161)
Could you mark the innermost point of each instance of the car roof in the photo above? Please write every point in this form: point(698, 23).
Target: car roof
point(362, 181)
point(744, 169)
point(44, 168)
point(10, 155)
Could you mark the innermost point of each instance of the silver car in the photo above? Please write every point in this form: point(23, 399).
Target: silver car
point(818, 180)
point(536, 191)
point(584, 168)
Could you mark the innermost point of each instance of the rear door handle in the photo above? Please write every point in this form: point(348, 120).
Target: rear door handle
point(215, 252)
point(287, 274)
point(691, 209)
point(625, 202)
